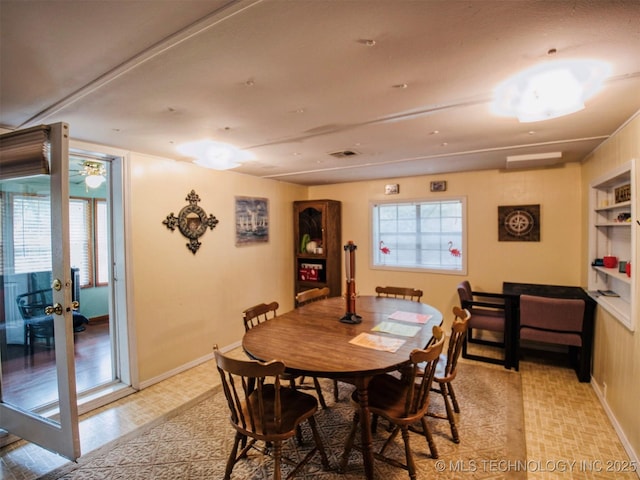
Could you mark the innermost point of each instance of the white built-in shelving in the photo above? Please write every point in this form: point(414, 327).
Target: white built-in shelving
point(613, 228)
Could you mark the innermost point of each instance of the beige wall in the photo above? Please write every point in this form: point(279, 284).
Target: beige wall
point(185, 303)
point(555, 259)
point(616, 349)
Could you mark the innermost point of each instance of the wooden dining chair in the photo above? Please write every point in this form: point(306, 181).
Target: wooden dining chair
point(259, 313)
point(263, 312)
point(403, 402)
point(312, 295)
point(303, 298)
point(400, 292)
point(447, 370)
point(261, 411)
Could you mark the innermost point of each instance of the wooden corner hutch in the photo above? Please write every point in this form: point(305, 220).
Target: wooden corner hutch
point(317, 243)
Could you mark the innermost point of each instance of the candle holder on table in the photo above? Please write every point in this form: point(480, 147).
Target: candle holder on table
point(350, 295)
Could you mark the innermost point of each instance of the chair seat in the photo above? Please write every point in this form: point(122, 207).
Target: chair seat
point(484, 319)
point(296, 407)
point(41, 326)
point(560, 338)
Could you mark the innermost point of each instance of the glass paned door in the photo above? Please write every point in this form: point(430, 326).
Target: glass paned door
point(38, 404)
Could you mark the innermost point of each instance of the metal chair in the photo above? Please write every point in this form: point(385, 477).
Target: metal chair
point(39, 325)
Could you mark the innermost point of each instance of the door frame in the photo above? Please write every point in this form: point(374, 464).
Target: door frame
point(18, 424)
point(62, 436)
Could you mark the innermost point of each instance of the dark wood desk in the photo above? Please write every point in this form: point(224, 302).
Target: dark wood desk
point(312, 341)
point(514, 290)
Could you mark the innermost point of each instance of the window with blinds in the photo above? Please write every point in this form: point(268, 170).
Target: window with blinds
point(101, 243)
point(88, 236)
point(24, 152)
point(420, 235)
point(31, 233)
point(80, 238)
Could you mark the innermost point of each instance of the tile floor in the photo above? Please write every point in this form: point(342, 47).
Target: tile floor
point(564, 423)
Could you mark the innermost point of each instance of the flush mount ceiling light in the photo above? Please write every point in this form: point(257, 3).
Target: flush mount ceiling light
point(550, 90)
point(214, 155)
point(94, 174)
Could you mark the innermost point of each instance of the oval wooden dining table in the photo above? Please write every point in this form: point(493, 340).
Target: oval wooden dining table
point(312, 341)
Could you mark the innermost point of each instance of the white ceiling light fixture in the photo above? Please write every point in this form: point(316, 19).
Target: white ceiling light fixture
point(94, 174)
point(214, 155)
point(550, 90)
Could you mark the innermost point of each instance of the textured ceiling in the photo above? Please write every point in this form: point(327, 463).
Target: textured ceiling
point(406, 85)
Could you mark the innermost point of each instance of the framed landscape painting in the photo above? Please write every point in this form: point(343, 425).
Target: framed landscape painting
point(252, 220)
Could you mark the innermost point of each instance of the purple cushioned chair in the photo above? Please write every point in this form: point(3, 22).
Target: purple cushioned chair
point(556, 321)
point(487, 313)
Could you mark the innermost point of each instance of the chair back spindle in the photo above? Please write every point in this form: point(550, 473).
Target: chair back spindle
point(258, 314)
point(406, 293)
point(312, 295)
point(459, 329)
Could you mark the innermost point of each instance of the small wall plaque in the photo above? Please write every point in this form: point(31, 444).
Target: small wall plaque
point(391, 189)
point(438, 186)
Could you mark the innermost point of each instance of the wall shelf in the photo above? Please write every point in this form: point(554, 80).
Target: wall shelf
point(611, 234)
point(614, 273)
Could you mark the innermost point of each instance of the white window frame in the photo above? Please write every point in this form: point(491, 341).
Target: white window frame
point(449, 261)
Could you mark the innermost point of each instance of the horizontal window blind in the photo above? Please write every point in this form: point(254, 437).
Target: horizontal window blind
point(101, 243)
point(80, 237)
point(31, 233)
point(24, 153)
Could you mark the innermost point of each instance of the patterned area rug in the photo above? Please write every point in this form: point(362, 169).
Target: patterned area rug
point(195, 443)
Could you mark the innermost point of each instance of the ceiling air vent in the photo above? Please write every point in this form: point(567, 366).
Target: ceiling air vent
point(344, 154)
point(534, 160)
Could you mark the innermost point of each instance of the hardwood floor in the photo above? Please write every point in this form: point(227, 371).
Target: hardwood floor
point(30, 382)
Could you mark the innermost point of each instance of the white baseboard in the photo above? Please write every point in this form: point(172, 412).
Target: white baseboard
point(633, 456)
point(187, 366)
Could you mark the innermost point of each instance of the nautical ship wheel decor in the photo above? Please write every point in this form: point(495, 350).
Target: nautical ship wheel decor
point(519, 223)
point(192, 221)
